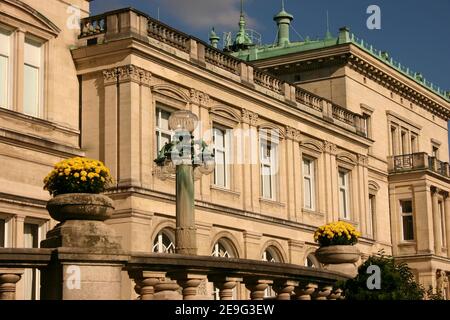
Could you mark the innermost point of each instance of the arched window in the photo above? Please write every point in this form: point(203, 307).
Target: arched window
point(223, 248)
point(164, 242)
point(272, 254)
point(311, 261)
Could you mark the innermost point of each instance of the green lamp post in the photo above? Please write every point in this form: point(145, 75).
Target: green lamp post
point(188, 159)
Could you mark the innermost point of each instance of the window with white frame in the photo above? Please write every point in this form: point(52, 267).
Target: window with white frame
point(406, 211)
point(309, 188)
point(344, 194)
point(33, 77)
point(164, 242)
point(163, 133)
point(222, 151)
point(5, 68)
point(268, 158)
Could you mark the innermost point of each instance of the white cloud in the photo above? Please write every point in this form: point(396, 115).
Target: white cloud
point(201, 14)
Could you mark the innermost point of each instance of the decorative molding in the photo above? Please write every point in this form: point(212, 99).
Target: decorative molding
point(363, 160)
point(125, 74)
point(226, 113)
point(272, 129)
point(199, 97)
point(330, 147)
point(374, 185)
point(314, 145)
point(293, 134)
point(345, 156)
point(249, 117)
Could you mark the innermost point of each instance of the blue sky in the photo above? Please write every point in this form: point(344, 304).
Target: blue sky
point(414, 32)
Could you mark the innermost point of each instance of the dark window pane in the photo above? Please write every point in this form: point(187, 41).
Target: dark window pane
point(408, 230)
point(407, 206)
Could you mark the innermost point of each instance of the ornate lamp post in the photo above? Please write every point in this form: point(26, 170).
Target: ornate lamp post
point(188, 159)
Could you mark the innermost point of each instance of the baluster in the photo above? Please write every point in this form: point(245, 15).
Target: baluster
point(167, 289)
point(225, 284)
point(304, 292)
point(189, 282)
point(336, 294)
point(8, 280)
point(323, 293)
point(284, 289)
point(257, 287)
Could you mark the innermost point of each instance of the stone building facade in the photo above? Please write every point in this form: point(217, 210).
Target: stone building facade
point(301, 139)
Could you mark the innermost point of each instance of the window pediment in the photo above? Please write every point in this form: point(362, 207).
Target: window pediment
point(347, 157)
point(17, 13)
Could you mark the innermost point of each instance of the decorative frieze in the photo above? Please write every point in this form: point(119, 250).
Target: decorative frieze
point(125, 74)
point(249, 117)
point(200, 98)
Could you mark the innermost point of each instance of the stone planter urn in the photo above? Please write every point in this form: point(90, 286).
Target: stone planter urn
point(81, 217)
point(80, 206)
point(341, 258)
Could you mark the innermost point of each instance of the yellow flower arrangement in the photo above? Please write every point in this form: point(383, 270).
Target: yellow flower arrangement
point(336, 233)
point(78, 175)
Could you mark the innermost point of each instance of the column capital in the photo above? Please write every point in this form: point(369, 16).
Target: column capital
point(249, 117)
point(127, 73)
point(292, 133)
point(200, 98)
point(330, 147)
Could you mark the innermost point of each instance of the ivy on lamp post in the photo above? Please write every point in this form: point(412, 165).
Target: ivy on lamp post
point(188, 159)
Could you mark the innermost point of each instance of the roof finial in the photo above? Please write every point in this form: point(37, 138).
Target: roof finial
point(328, 34)
point(242, 7)
point(282, 5)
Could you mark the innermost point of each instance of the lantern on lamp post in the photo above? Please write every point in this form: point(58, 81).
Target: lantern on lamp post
point(188, 159)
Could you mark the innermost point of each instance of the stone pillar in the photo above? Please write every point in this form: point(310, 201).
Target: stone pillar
point(87, 259)
point(447, 223)
point(436, 221)
point(225, 285)
point(257, 287)
point(284, 289)
point(8, 280)
point(336, 295)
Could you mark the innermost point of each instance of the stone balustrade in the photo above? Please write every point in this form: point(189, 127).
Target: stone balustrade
point(128, 22)
point(173, 276)
point(417, 161)
point(290, 282)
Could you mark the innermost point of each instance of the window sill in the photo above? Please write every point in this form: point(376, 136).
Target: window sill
point(225, 190)
point(37, 121)
point(406, 243)
point(271, 202)
point(313, 212)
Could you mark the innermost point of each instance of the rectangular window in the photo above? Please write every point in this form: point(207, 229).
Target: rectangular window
point(5, 68)
point(33, 75)
point(268, 159)
point(404, 141)
point(308, 184)
point(2, 233)
point(435, 152)
point(31, 276)
point(344, 206)
point(407, 220)
point(163, 133)
point(394, 150)
point(370, 220)
point(443, 226)
point(222, 150)
point(414, 144)
point(367, 125)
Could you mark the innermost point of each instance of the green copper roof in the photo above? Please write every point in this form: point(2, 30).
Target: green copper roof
point(271, 51)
